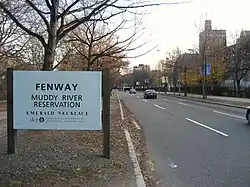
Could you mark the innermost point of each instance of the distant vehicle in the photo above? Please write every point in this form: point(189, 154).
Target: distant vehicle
point(132, 91)
point(150, 94)
point(248, 115)
point(126, 89)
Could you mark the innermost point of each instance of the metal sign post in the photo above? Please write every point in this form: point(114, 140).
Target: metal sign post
point(11, 132)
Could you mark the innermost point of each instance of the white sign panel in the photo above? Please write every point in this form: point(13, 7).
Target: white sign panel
point(61, 100)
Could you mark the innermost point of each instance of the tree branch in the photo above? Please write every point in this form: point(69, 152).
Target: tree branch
point(48, 4)
point(135, 5)
point(39, 12)
point(75, 23)
point(19, 24)
point(66, 11)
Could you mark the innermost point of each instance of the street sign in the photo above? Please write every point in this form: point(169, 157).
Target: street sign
point(208, 70)
point(60, 100)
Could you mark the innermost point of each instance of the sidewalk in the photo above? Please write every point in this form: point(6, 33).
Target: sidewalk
point(67, 158)
point(230, 101)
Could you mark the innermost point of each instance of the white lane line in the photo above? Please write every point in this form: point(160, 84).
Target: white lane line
point(159, 107)
point(202, 125)
point(190, 105)
point(138, 97)
point(137, 170)
point(226, 114)
point(145, 100)
point(180, 103)
point(168, 100)
point(136, 125)
point(120, 105)
point(172, 165)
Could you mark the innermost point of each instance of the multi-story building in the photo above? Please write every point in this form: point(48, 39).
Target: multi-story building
point(141, 67)
point(141, 74)
point(244, 37)
point(211, 40)
point(212, 44)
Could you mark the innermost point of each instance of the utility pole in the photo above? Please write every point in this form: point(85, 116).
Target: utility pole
point(185, 79)
point(204, 67)
point(179, 80)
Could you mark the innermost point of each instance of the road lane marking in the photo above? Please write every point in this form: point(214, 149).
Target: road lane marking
point(226, 114)
point(168, 100)
point(172, 165)
point(160, 107)
point(190, 105)
point(138, 97)
point(202, 125)
point(120, 105)
point(136, 125)
point(145, 100)
point(180, 103)
point(137, 170)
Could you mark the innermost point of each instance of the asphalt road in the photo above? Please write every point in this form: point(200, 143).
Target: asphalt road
point(192, 143)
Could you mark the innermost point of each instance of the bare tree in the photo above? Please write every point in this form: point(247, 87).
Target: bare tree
point(11, 40)
point(187, 62)
point(238, 62)
point(170, 67)
point(51, 20)
point(95, 41)
point(33, 53)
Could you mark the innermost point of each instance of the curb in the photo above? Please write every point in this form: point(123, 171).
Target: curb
point(206, 101)
point(137, 170)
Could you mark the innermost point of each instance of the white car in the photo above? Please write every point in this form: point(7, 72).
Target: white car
point(132, 91)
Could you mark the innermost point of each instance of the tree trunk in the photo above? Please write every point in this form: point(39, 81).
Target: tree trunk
point(49, 56)
point(50, 49)
point(185, 77)
point(238, 88)
point(89, 63)
point(174, 88)
point(235, 90)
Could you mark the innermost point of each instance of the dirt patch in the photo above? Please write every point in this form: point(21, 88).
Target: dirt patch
point(3, 106)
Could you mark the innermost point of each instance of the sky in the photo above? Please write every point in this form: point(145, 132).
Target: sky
point(169, 26)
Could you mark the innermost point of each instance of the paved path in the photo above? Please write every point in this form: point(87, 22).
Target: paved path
point(193, 143)
point(222, 98)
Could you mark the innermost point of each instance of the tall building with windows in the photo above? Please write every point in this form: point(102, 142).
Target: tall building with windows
point(211, 40)
point(141, 67)
point(141, 75)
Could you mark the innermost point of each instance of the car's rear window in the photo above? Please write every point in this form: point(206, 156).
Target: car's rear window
point(150, 90)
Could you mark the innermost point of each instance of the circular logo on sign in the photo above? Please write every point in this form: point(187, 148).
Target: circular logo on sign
point(41, 119)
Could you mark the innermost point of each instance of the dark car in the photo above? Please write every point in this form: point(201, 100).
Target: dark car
point(132, 91)
point(248, 115)
point(150, 94)
point(126, 89)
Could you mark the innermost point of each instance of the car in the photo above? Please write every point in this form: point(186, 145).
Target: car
point(248, 115)
point(150, 93)
point(126, 89)
point(132, 91)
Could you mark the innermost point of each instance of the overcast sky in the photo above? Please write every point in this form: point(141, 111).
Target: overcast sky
point(175, 25)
